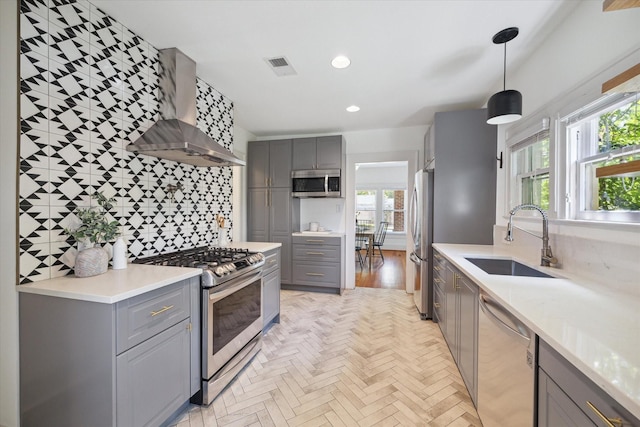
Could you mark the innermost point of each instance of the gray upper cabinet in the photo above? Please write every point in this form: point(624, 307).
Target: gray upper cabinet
point(269, 164)
point(323, 152)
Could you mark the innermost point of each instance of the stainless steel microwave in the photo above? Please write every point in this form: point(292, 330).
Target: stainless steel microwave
point(316, 183)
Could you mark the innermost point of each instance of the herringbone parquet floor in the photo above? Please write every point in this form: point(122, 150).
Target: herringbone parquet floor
point(360, 359)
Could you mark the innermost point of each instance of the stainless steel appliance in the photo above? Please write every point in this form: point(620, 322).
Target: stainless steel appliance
point(231, 311)
point(316, 183)
point(506, 361)
point(421, 229)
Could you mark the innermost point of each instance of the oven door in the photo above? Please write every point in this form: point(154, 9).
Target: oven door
point(232, 316)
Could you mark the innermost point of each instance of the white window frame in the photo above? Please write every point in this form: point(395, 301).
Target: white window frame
point(513, 184)
point(379, 205)
point(581, 121)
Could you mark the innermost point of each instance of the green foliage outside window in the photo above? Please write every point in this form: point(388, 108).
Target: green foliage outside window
point(617, 129)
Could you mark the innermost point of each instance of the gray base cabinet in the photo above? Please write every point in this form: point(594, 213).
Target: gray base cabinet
point(457, 313)
point(271, 288)
point(317, 262)
point(91, 364)
point(566, 397)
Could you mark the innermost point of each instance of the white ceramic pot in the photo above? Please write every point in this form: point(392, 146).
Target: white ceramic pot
point(119, 254)
point(313, 226)
point(91, 262)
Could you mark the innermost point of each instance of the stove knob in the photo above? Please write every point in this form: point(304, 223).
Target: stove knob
point(220, 271)
point(231, 267)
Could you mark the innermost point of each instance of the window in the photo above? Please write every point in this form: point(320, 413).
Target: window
point(366, 205)
point(530, 171)
point(604, 139)
point(393, 208)
point(382, 205)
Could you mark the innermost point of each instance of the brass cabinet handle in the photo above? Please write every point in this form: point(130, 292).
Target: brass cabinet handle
point(315, 253)
point(272, 261)
point(438, 280)
point(315, 274)
point(437, 268)
point(315, 240)
point(162, 310)
point(455, 281)
point(437, 256)
point(610, 422)
point(436, 304)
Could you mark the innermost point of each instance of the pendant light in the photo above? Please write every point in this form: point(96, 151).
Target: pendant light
point(505, 106)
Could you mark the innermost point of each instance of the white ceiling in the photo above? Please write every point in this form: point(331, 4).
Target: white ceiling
point(409, 59)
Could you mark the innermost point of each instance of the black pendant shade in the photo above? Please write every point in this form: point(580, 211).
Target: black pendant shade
point(505, 106)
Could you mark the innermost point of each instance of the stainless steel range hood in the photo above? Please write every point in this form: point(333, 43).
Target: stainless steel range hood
point(176, 137)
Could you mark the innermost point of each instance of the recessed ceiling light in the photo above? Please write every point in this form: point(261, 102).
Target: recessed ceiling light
point(353, 108)
point(340, 62)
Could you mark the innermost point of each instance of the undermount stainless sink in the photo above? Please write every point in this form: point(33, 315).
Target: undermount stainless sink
point(506, 267)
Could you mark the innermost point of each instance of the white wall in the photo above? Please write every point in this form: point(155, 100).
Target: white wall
point(9, 391)
point(240, 139)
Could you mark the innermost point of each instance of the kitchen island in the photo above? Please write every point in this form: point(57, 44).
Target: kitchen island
point(594, 328)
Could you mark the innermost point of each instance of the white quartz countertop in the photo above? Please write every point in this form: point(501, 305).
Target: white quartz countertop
point(112, 286)
point(594, 328)
point(255, 246)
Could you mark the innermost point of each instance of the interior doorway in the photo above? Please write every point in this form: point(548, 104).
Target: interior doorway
point(381, 211)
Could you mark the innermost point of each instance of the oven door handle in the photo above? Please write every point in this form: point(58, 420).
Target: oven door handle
point(216, 294)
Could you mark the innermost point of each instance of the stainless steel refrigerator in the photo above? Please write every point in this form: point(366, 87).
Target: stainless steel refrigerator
point(455, 202)
point(421, 229)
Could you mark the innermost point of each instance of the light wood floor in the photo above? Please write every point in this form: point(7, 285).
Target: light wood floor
point(360, 359)
point(388, 275)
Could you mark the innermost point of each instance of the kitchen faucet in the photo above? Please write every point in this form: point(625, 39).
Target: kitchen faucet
point(547, 257)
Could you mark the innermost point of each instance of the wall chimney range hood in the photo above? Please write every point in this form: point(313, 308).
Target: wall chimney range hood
point(176, 137)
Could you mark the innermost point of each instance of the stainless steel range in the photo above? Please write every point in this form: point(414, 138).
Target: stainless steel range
point(231, 311)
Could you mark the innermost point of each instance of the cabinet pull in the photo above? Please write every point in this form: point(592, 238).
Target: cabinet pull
point(438, 280)
point(315, 240)
point(455, 281)
point(437, 256)
point(436, 304)
point(610, 422)
point(162, 310)
point(315, 274)
point(272, 261)
point(315, 253)
point(437, 268)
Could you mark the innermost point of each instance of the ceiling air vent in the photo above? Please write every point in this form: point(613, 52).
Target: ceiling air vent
point(280, 65)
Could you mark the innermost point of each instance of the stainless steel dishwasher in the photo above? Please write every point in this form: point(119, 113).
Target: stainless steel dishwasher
point(506, 366)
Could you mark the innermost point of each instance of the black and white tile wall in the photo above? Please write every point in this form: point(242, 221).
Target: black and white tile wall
point(89, 86)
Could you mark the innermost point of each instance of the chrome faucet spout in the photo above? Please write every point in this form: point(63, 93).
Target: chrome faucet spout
point(546, 258)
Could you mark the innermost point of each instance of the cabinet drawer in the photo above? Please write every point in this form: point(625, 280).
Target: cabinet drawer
point(139, 318)
point(316, 240)
point(271, 261)
point(320, 253)
point(316, 274)
point(438, 303)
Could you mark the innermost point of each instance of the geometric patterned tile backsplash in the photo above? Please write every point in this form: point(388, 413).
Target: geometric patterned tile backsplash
point(89, 86)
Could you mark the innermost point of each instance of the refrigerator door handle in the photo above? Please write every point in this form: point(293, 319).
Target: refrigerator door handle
point(414, 258)
point(413, 217)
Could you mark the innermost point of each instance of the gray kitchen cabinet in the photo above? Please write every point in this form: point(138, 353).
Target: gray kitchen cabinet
point(269, 164)
point(439, 280)
point(273, 214)
point(459, 321)
point(271, 288)
point(317, 263)
point(86, 363)
point(566, 397)
point(323, 152)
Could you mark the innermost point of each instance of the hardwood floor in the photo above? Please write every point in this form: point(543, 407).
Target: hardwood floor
point(388, 275)
point(360, 359)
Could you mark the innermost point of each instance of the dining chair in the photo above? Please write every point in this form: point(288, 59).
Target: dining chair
point(361, 240)
point(378, 239)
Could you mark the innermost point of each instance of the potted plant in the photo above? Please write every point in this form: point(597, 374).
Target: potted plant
point(94, 229)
